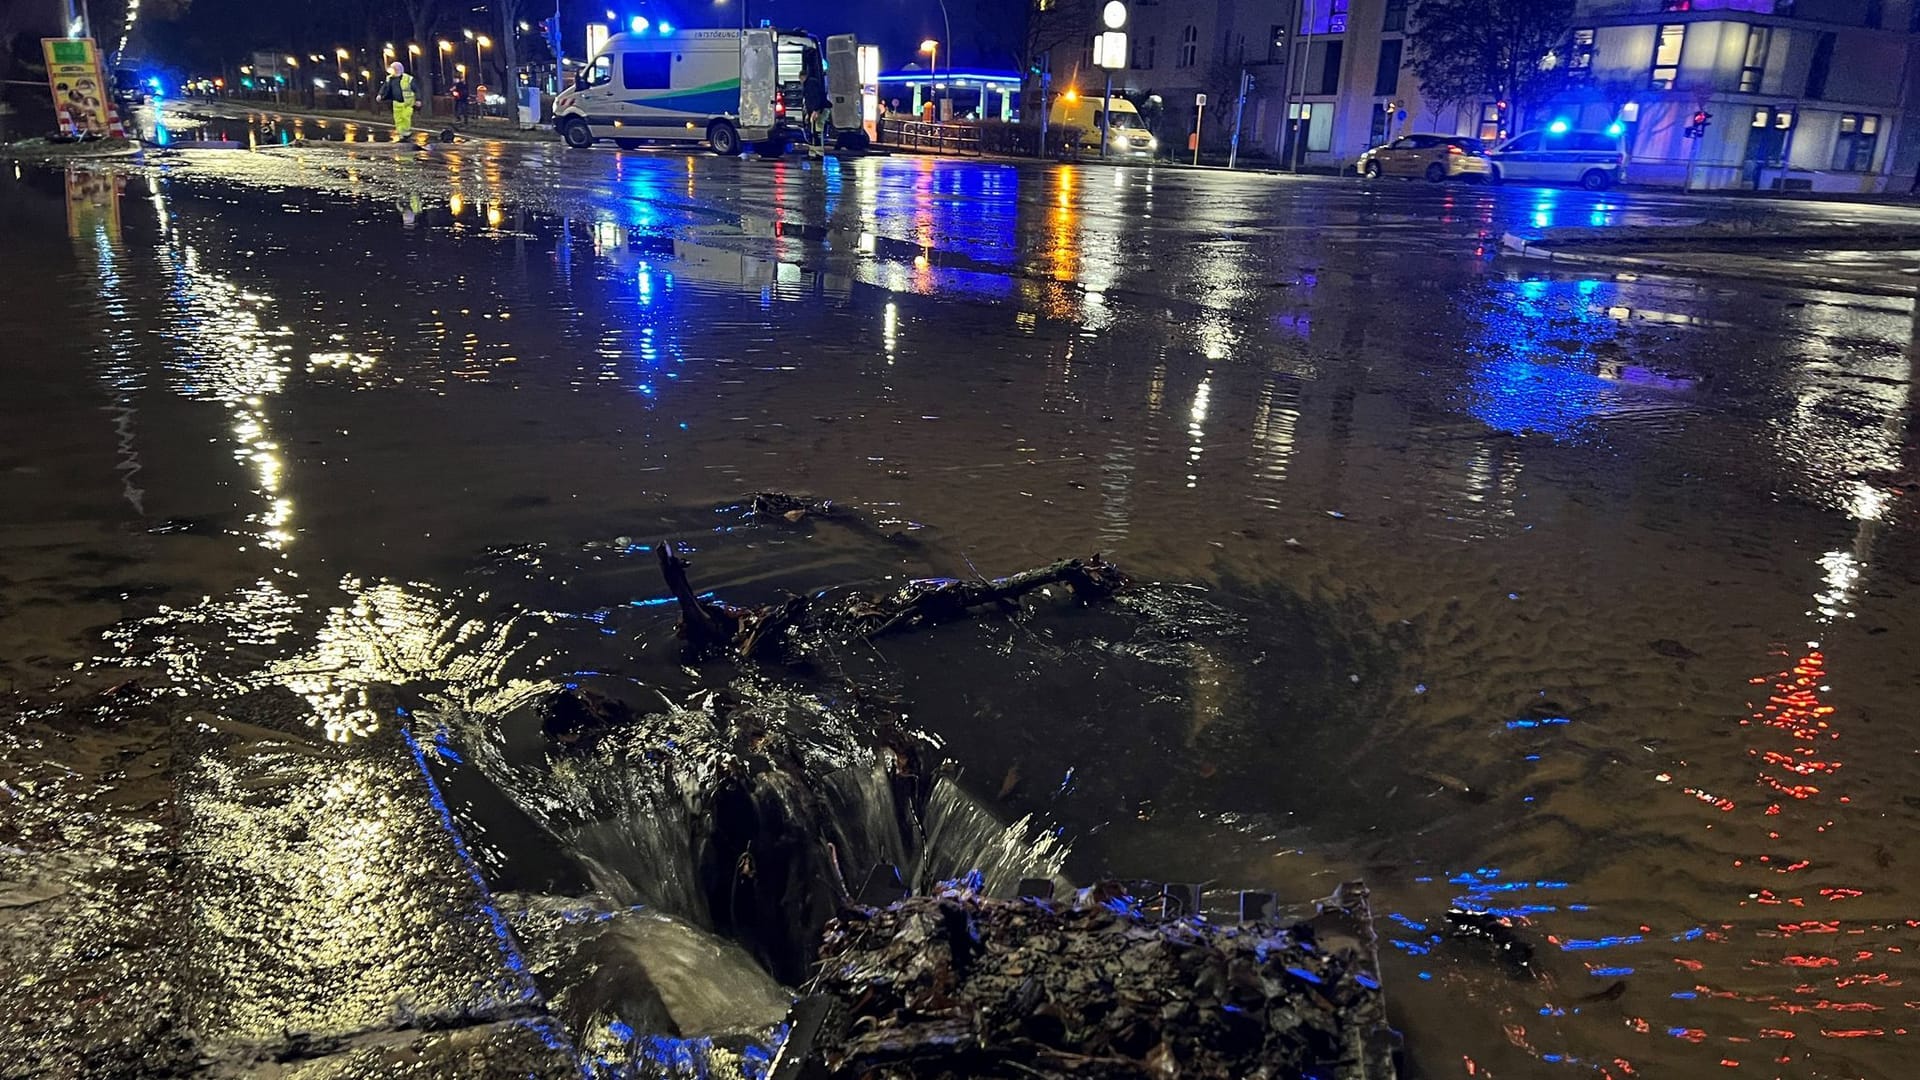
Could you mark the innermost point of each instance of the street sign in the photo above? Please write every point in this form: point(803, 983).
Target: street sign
point(1110, 50)
point(1200, 100)
point(1114, 14)
point(79, 88)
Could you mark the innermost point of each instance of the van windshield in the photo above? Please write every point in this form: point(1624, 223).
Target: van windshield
point(1122, 121)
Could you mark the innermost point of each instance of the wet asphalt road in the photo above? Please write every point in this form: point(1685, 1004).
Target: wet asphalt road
point(1588, 597)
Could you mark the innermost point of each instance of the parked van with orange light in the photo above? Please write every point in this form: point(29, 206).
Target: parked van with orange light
point(1128, 137)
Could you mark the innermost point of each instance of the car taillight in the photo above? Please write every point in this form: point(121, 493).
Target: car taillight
point(779, 108)
point(1451, 149)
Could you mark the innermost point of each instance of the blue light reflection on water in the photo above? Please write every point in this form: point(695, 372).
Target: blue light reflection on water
point(1536, 370)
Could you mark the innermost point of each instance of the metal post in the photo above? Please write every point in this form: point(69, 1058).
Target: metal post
point(1106, 115)
point(949, 27)
point(1786, 148)
point(1286, 76)
point(1046, 80)
point(1298, 149)
point(1199, 119)
point(1239, 110)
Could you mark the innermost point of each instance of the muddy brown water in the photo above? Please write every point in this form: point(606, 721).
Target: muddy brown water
point(1586, 599)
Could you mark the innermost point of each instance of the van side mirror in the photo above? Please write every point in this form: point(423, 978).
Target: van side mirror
point(580, 79)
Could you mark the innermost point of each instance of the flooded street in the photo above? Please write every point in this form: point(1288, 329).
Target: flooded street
point(1588, 598)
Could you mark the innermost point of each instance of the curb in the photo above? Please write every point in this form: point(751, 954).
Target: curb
point(1519, 247)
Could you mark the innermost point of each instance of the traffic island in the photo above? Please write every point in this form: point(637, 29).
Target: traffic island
point(1875, 259)
point(63, 149)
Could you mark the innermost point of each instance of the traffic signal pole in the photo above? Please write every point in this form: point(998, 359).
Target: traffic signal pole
point(1239, 109)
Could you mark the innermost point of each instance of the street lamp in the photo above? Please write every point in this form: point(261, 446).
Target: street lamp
point(446, 47)
point(932, 49)
point(1110, 52)
point(481, 42)
point(340, 61)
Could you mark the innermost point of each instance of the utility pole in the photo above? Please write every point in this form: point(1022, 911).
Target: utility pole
point(1046, 98)
point(1239, 110)
point(1295, 152)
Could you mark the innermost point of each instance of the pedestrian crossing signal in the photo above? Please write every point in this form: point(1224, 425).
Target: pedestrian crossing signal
point(1698, 129)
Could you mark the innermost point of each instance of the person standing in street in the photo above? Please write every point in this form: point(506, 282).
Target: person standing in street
point(400, 90)
point(460, 94)
point(813, 88)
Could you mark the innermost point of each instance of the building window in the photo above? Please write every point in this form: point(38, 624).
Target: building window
point(1822, 64)
point(1395, 20)
point(1387, 79)
point(1580, 56)
point(1323, 16)
point(1876, 14)
point(1853, 148)
point(1666, 56)
point(1318, 121)
point(1489, 122)
point(1276, 44)
point(1330, 69)
point(1189, 46)
point(1759, 40)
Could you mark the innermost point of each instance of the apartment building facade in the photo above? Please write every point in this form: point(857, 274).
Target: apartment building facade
point(1802, 93)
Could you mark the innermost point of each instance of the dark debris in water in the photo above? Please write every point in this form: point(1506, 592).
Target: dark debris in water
point(757, 632)
point(1496, 934)
point(957, 985)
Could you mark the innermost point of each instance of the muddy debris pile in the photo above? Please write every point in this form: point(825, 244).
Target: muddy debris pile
point(956, 985)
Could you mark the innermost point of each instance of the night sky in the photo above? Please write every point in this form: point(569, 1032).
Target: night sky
point(988, 32)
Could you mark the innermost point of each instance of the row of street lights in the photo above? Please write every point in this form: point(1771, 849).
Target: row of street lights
point(444, 66)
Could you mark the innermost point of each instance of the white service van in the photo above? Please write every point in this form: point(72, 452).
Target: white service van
point(727, 88)
point(1127, 137)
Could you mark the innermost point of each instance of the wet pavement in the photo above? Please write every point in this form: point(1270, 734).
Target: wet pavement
point(1586, 597)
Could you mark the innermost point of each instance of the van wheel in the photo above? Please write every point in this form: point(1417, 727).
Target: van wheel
point(1596, 180)
point(1373, 170)
point(1436, 172)
point(724, 138)
point(577, 134)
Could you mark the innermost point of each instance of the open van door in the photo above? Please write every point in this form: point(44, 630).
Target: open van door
point(759, 80)
point(843, 81)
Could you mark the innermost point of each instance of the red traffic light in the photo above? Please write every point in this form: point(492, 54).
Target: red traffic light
point(1700, 118)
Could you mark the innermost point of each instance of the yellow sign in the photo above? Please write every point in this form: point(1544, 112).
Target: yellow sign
point(93, 204)
point(80, 94)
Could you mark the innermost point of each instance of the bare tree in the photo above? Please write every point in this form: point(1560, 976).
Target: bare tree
point(1050, 25)
point(509, 49)
point(421, 13)
point(1466, 50)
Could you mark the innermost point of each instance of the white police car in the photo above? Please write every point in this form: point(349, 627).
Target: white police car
point(1558, 155)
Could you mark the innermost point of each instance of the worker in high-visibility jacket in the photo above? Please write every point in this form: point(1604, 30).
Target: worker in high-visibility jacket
point(400, 90)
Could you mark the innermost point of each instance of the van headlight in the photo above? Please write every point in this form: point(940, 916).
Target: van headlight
point(1153, 143)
